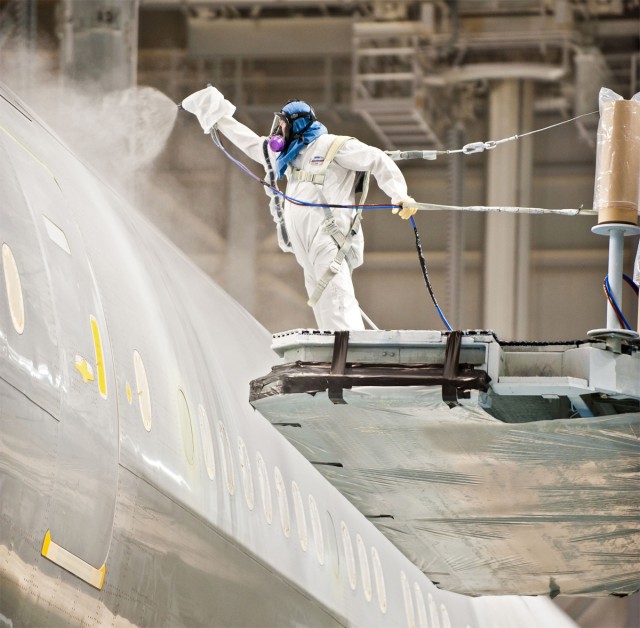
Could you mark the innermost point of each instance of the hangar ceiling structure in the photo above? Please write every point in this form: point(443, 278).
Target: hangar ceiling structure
point(403, 74)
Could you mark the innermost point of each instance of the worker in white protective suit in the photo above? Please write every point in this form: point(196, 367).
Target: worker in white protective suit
point(321, 169)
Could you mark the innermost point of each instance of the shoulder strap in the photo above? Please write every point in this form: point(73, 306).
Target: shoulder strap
point(344, 242)
point(336, 145)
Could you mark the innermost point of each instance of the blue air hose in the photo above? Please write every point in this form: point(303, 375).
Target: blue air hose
point(612, 301)
point(275, 190)
point(295, 201)
point(425, 274)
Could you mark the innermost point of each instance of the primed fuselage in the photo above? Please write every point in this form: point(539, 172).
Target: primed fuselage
point(137, 485)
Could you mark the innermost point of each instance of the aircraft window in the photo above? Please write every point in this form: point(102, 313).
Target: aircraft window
point(56, 235)
point(245, 468)
point(142, 390)
point(316, 526)
point(433, 612)
point(301, 519)
point(227, 460)
point(364, 567)
point(349, 557)
point(408, 601)
point(14, 288)
point(265, 488)
point(332, 545)
point(444, 613)
point(379, 576)
point(207, 442)
point(422, 611)
point(283, 502)
point(185, 426)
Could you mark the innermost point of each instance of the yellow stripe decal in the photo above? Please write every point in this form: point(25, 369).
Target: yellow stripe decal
point(46, 543)
point(27, 150)
point(71, 563)
point(102, 376)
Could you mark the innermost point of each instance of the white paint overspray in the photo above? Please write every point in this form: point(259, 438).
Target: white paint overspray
point(123, 136)
point(132, 125)
point(118, 132)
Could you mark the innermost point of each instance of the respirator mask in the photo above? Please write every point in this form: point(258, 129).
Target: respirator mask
point(277, 135)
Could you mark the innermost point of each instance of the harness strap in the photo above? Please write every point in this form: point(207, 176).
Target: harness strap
point(344, 242)
point(318, 176)
point(345, 252)
point(309, 177)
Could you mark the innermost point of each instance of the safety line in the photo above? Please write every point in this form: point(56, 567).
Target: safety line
point(475, 147)
point(420, 206)
point(467, 149)
point(576, 211)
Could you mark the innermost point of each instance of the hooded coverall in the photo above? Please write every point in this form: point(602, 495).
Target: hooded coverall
point(315, 250)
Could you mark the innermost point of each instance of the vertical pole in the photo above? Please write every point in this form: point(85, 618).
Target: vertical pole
point(523, 250)
point(507, 240)
point(500, 229)
point(616, 250)
point(455, 238)
point(615, 197)
point(636, 278)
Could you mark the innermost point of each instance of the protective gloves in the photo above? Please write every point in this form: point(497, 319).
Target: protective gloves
point(208, 105)
point(408, 208)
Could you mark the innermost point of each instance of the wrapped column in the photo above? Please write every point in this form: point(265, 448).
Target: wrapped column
point(617, 183)
point(616, 199)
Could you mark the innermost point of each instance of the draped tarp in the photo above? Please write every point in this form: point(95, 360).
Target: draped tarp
point(480, 505)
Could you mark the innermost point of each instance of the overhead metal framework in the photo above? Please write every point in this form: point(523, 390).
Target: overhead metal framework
point(403, 65)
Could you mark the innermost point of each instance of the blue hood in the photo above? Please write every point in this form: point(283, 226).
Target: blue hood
point(295, 146)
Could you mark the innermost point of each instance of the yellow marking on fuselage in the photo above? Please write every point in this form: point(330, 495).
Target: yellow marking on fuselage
point(26, 149)
point(129, 393)
point(97, 342)
point(46, 543)
point(103, 571)
point(84, 368)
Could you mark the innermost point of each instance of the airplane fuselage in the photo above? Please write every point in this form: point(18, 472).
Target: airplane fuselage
point(137, 484)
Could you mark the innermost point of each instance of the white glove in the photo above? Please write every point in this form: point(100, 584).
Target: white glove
point(408, 206)
point(208, 105)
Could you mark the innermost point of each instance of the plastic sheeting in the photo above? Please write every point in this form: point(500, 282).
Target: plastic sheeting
point(481, 506)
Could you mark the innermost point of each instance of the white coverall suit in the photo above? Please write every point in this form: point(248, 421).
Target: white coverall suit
point(314, 248)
